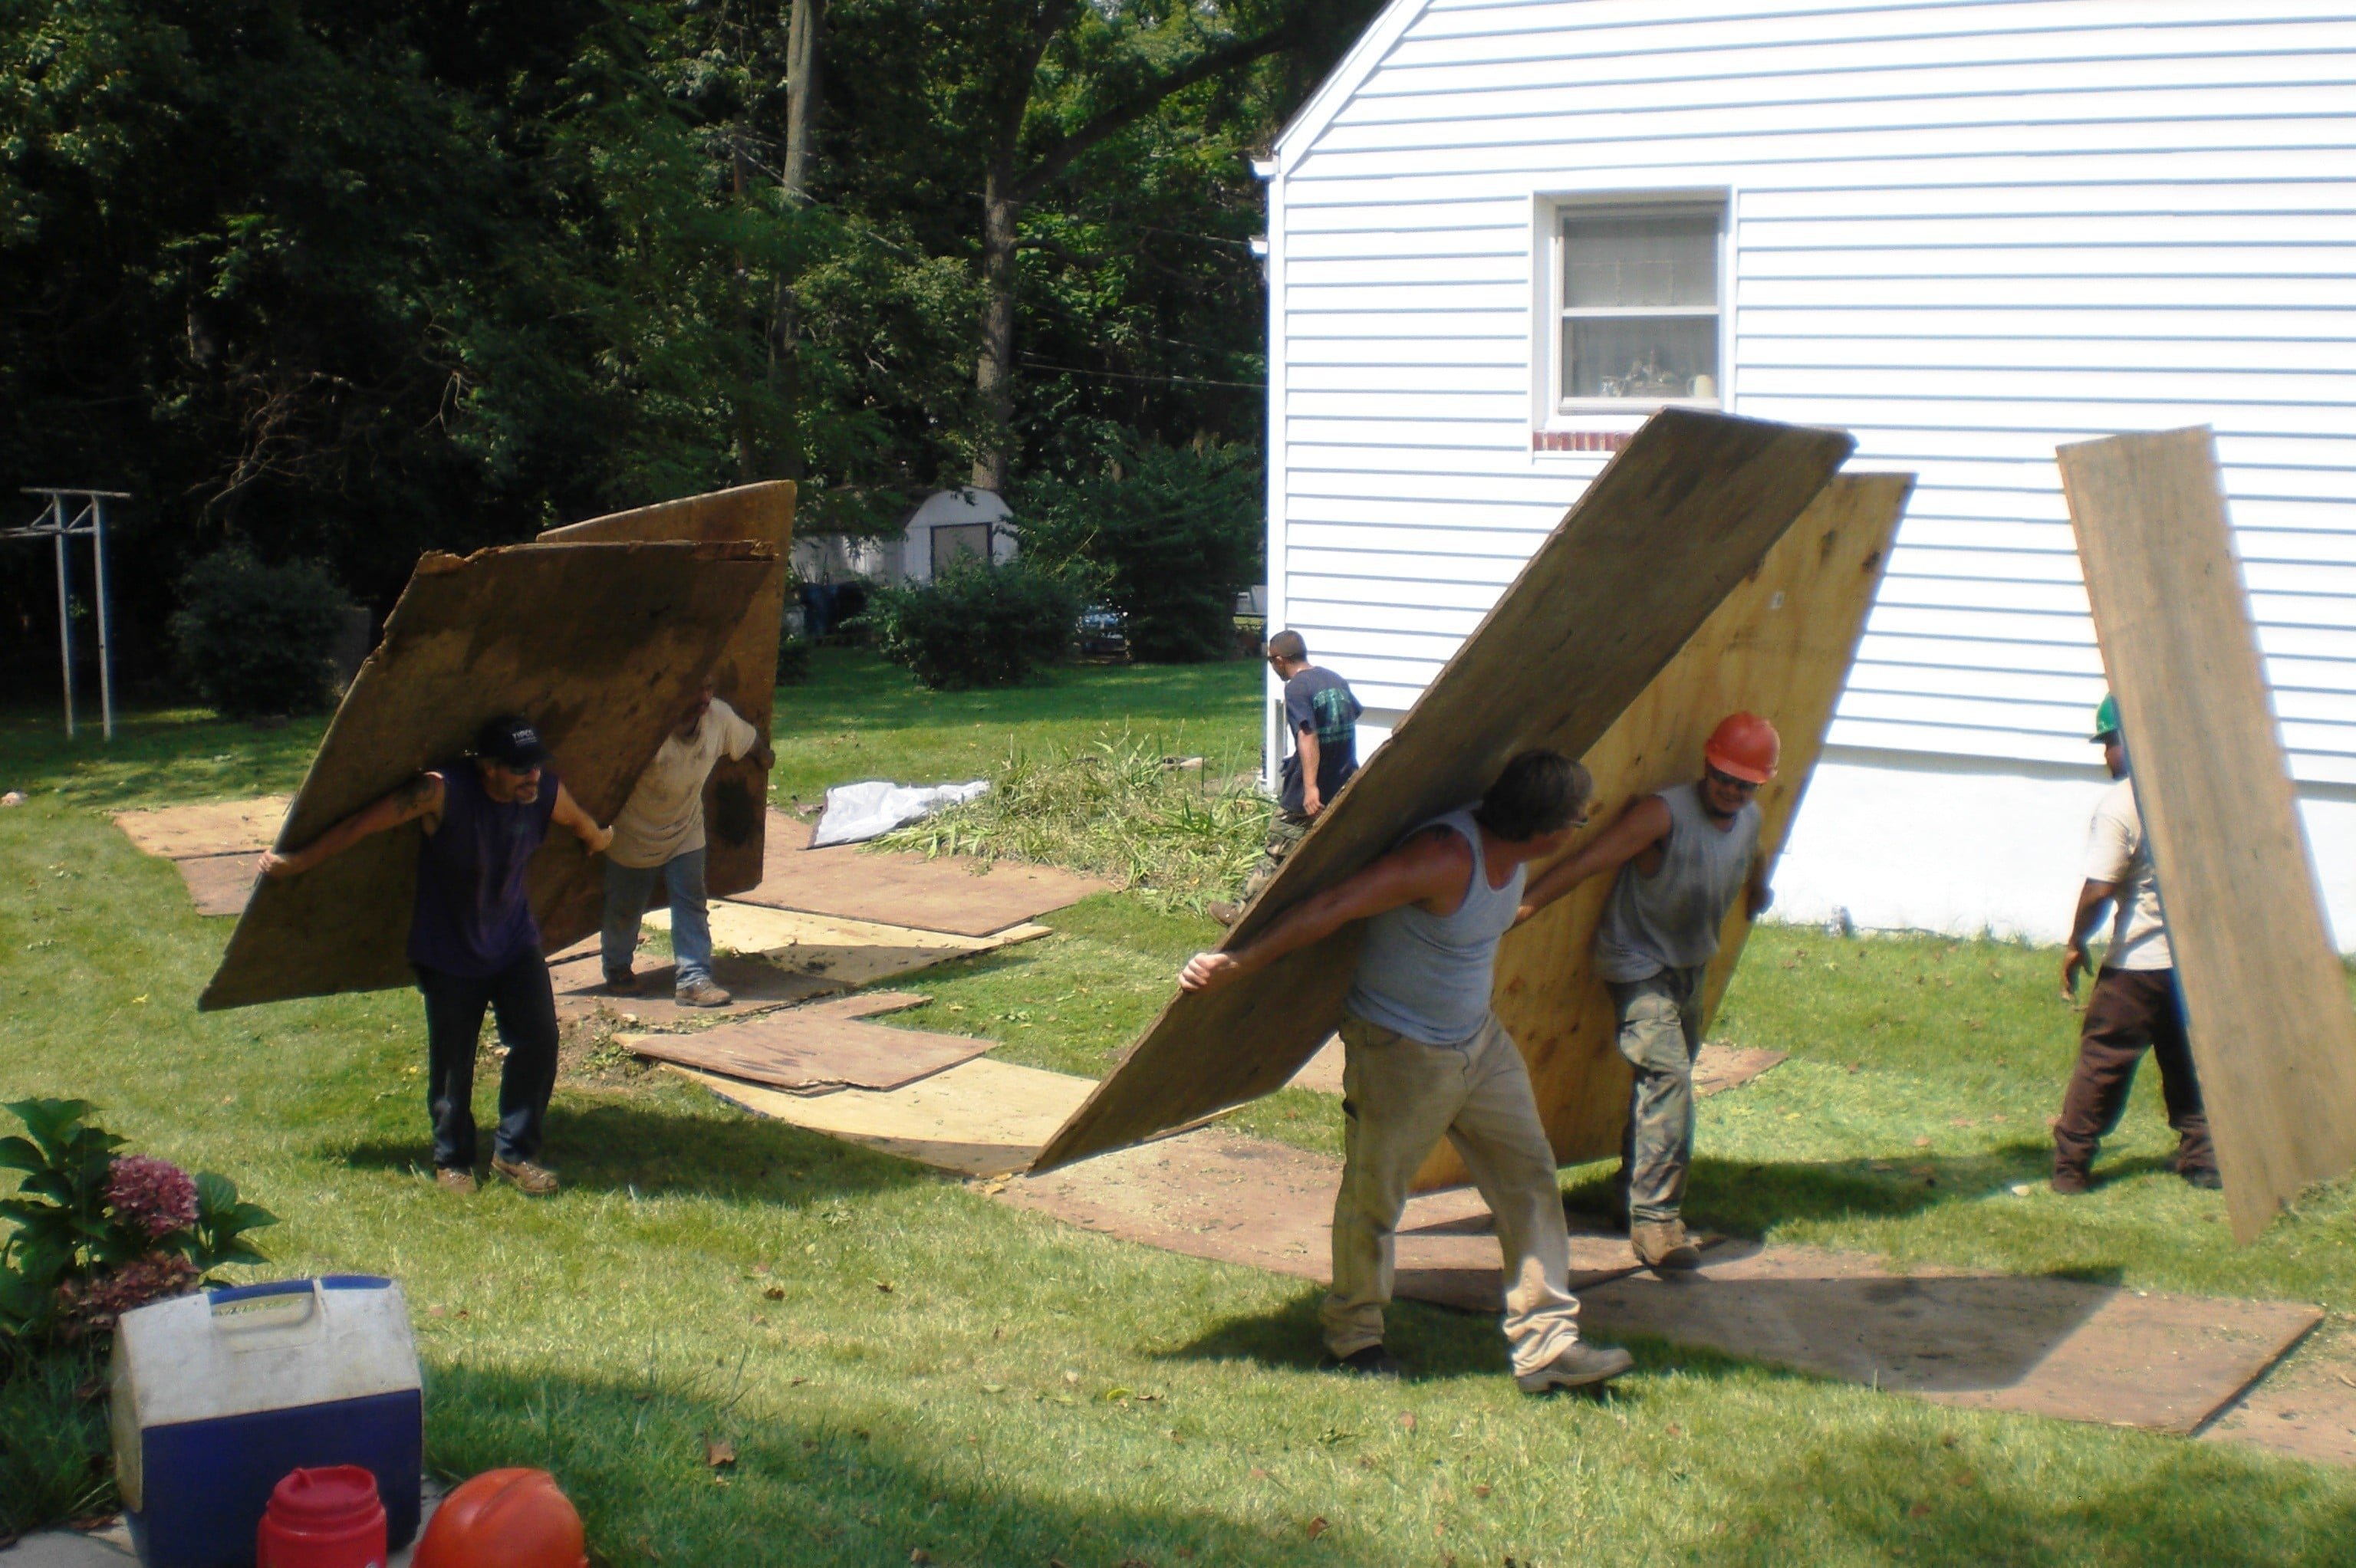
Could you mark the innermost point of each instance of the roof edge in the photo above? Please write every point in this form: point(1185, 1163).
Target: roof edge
point(1346, 79)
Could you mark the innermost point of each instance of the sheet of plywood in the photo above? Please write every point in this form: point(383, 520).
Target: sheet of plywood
point(598, 643)
point(1673, 523)
point(853, 952)
point(983, 1117)
point(817, 1047)
point(944, 892)
point(1781, 646)
point(2266, 996)
point(753, 986)
point(745, 676)
point(219, 884)
point(216, 827)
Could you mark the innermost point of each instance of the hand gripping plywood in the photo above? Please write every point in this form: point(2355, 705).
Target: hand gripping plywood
point(746, 677)
point(598, 643)
point(2265, 998)
point(1779, 646)
point(1680, 517)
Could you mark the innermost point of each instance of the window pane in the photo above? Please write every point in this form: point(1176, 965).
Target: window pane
point(1662, 258)
point(1645, 356)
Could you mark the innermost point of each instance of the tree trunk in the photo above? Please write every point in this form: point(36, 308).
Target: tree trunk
point(994, 370)
point(803, 28)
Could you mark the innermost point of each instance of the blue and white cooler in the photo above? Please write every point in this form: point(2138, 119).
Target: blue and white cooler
point(216, 1396)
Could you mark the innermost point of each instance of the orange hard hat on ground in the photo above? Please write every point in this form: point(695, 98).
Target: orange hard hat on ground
point(1743, 746)
point(505, 1519)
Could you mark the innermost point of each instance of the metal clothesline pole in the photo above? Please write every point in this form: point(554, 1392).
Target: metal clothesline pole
point(61, 526)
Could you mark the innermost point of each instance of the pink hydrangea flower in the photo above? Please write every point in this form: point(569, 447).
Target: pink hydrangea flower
point(154, 1194)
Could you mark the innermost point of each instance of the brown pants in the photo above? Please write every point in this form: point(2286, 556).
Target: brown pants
point(2131, 1009)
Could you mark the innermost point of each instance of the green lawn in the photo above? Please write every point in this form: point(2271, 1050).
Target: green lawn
point(1023, 1394)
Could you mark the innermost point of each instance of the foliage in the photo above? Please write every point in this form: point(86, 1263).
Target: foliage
point(1175, 829)
point(97, 1233)
point(974, 625)
point(793, 660)
point(54, 1448)
point(1167, 534)
point(259, 639)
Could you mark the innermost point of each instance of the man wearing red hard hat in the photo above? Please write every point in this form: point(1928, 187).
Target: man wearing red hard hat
point(1683, 857)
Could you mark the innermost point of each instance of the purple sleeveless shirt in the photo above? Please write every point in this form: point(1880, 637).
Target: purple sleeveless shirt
point(472, 918)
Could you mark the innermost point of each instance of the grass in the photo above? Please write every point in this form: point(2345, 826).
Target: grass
point(1025, 1392)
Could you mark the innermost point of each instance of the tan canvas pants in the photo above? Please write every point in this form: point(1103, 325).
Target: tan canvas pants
point(1399, 1096)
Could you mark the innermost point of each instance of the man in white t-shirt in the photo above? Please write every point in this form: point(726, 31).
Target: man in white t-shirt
point(2134, 1005)
point(659, 833)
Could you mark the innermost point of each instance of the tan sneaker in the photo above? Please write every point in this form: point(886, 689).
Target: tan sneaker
point(457, 1181)
point(530, 1179)
point(1663, 1245)
point(701, 993)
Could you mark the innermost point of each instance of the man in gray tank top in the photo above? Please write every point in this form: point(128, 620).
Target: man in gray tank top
point(1425, 1057)
point(1684, 857)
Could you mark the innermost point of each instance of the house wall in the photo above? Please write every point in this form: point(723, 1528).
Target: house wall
point(1965, 231)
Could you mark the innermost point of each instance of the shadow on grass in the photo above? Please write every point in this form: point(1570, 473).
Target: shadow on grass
point(1746, 1198)
point(849, 1484)
point(620, 1146)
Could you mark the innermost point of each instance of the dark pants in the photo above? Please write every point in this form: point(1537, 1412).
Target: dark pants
point(519, 998)
point(2131, 1009)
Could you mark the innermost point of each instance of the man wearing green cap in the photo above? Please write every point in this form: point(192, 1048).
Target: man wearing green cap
point(2134, 1005)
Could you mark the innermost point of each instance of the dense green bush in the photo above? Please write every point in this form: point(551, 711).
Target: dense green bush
point(259, 640)
point(793, 660)
point(1168, 535)
point(974, 625)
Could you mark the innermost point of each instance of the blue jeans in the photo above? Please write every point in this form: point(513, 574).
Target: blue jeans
point(519, 998)
point(627, 890)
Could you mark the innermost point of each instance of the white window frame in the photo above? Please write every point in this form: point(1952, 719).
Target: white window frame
point(1555, 411)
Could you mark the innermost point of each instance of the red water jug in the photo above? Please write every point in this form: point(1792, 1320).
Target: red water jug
point(328, 1518)
point(504, 1519)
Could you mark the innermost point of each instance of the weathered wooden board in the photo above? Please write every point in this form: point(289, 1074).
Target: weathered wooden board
point(744, 677)
point(817, 1047)
point(943, 892)
point(216, 827)
point(1781, 646)
point(1673, 523)
point(598, 643)
point(984, 1118)
point(2264, 994)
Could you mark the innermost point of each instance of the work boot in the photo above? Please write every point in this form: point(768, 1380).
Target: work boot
point(2204, 1177)
point(1373, 1361)
point(2071, 1181)
point(625, 984)
point(1575, 1367)
point(1223, 911)
point(456, 1180)
point(700, 992)
point(530, 1179)
point(1663, 1245)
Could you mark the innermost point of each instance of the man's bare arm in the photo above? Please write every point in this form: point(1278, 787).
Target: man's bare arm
point(421, 797)
point(567, 813)
point(2093, 899)
point(1432, 867)
point(1758, 896)
point(1304, 743)
point(1644, 824)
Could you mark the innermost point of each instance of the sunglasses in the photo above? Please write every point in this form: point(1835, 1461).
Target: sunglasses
point(1730, 782)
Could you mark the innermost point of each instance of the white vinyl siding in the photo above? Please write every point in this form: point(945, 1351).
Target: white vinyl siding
point(1967, 231)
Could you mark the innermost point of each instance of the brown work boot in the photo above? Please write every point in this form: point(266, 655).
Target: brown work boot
point(2069, 1182)
point(625, 984)
point(1663, 1245)
point(456, 1180)
point(1575, 1367)
point(701, 994)
point(530, 1179)
point(1223, 911)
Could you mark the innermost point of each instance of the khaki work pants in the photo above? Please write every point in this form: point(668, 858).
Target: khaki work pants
point(1399, 1096)
point(1660, 1034)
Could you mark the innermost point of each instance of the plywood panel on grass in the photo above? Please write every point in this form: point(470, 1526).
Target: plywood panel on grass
point(746, 675)
point(2265, 996)
point(1779, 646)
point(216, 827)
point(598, 643)
point(818, 1048)
point(1673, 524)
point(943, 892)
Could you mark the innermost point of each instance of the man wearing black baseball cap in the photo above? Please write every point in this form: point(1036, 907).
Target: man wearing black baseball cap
point(472, 938)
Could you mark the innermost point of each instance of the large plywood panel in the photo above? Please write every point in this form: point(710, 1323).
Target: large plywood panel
point(1779, 646)
point(2264, 994)
point(745, 676)
point(1673, 523)
point(599, 644)
point(938, 892)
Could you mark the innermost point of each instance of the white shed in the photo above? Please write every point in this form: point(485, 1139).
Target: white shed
point(952, 525)
point(1967, 231)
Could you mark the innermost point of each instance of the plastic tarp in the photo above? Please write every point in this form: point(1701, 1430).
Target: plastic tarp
point(858, 812)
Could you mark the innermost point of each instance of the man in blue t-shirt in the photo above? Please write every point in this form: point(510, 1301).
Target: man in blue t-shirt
point(472, 938)
point(1321, 715)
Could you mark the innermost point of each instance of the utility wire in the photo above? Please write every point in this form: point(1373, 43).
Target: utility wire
point(1128, 376)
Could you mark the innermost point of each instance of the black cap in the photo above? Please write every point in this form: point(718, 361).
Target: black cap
point(511, 741)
